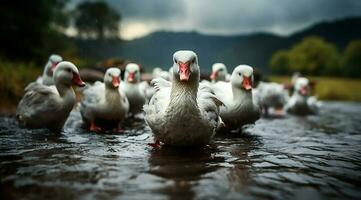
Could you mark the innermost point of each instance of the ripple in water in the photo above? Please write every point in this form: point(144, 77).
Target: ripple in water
point(317, 157)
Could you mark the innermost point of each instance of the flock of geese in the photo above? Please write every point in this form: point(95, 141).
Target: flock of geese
point(180, 109)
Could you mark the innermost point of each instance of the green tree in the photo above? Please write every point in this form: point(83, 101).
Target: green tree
point(27, 29)
point(280, 62)
point(314, 56)
point(351, 60)
point(96, 20)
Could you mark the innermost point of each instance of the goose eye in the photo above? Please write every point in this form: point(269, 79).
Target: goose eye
point(193, 60)
point(68, 70)
point(175, 60)
point(239, 73)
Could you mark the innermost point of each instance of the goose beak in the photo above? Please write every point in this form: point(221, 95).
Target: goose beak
point(184, 71)
point(115, 81)
point(53, 66)
point(131, 77)
point(247, 83)
point(214, 75)
point(77, 80)
point(304, 90)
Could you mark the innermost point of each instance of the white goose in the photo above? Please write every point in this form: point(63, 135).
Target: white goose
point(47, 77)
point(133, 88)
point(301, 103)
point(219, 73)
point(271, 96)
point(104, 102)
point(184, 112)
point(240, 108)
point(49, 106)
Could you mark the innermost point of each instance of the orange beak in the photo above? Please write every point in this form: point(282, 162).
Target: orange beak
point(53, 66)
point(115, 81)
point(214, 75)
point(184, 71)
point(77, 80)
point(304, 90)
point(131, 77)
point(247, 83)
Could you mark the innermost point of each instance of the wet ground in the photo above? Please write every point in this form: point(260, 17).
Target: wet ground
point(314, 157)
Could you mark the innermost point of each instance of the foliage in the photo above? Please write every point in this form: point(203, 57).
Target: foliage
point(351, 61)
point(14, 76)
point(280, 62)
point(311, 56)
point(96, 20)
point(27, 30)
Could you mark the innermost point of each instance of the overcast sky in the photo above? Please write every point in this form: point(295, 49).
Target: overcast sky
point(226, 17)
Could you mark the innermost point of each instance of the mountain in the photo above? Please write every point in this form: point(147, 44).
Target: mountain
point(156, 49)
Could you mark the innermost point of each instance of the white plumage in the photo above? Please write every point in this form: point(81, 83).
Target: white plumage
point(134, 89)
point(271, 96)
point(49, 106)
point(240, 108)
point(301, 103)
point(104, 102)
point(183, 112)
point(47, 77)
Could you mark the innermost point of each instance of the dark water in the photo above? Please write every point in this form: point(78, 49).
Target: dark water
point(315, 157)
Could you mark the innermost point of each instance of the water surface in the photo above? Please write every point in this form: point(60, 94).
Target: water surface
point(314, 157)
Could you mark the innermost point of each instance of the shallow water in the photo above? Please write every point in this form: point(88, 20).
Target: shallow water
point(314, 157)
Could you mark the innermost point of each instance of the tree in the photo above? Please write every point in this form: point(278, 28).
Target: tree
point(351, 60)
point(314, 56)
point(27, 29)
point(96, 20)
point(280, 62)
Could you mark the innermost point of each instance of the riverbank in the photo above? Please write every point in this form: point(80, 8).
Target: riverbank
point(330, 88)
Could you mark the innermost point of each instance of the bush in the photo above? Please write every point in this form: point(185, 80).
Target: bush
point(14, 76)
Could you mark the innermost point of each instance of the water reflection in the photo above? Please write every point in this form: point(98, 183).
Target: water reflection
point(293, 157)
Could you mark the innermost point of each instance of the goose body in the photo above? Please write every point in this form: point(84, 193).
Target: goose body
point(271, 96)
point(104, 103)
point(133, 88)
point(240, 108)
point(219, 73)
point(47, 77)
point(183, 112)
point(49, 106)
point(301, 103)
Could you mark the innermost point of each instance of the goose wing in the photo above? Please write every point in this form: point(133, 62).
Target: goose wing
point(209, 104)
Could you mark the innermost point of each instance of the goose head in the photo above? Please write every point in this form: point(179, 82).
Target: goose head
point(112, 78)
point(242, 77)
point(66, 73)
point(302, 86)
point(219, 72)
point(132, 73)
point(185, 66)
point(53, 61)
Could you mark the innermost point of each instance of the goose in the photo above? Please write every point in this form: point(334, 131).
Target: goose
point(183, 112)
point(104, 102)
point(49, 106)
point(219, 73)
point(271, 96)
point(240, 108)
point(134, 89)
point(47, 77)
point(301, 103)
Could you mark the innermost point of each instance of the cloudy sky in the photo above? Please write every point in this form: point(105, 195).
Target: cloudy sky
point(226, 17)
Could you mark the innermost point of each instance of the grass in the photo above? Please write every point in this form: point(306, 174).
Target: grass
point(330, 88)
point(14, 77)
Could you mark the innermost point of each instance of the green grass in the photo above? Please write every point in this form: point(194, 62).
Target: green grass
point(330, 88)
point(14, 76)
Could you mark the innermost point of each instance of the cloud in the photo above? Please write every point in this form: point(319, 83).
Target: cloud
point(141, 17)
